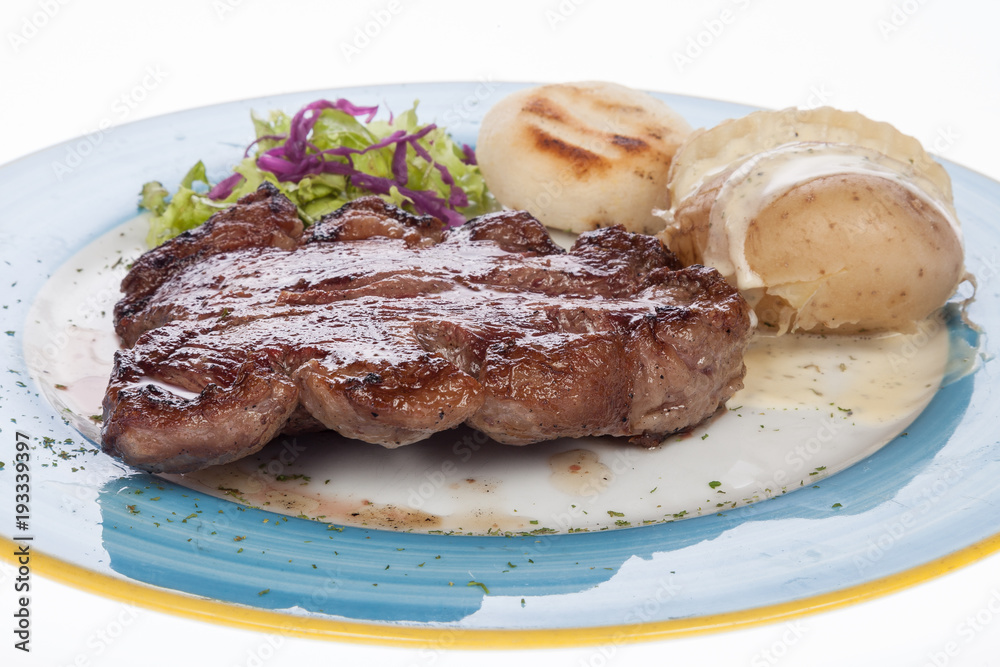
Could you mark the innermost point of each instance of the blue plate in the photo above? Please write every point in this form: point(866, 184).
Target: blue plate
point(923, 504)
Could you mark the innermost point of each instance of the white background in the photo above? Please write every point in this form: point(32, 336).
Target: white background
point(931, 67)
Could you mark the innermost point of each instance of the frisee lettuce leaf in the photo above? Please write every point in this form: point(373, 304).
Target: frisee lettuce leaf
point(323, 157)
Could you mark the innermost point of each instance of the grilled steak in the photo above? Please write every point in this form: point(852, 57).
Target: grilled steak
point(387, 327)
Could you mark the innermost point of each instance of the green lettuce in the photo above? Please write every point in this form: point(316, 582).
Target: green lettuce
point(318, 157)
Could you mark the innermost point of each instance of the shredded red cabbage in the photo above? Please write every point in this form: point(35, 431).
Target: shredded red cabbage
point(470, 154)
point(297, 158)
point(225, 187)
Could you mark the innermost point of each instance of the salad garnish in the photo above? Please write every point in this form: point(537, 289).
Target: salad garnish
point(325, 155)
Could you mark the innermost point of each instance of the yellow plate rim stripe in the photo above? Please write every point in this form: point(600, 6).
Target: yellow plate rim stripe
point(311, 627)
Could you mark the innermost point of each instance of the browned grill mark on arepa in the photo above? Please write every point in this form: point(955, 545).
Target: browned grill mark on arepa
point(630, 144)
point(627, 109)
point(541, 106)
point(583, 161)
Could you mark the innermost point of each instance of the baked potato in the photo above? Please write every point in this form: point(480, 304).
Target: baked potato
point(825, 220)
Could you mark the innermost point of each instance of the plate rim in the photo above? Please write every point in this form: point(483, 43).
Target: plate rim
point(426, 82)
point(362, 631)
point(500, 82)
point(258, 619)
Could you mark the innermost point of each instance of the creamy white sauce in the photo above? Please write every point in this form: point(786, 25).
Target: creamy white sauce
point(877, 379)
point(811, 406)
point(768, 175)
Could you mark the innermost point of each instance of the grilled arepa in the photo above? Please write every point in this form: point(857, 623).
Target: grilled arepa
point(579, 156)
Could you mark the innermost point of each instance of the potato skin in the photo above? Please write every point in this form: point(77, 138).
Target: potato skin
point(688, 236)
point(873, 254)
point(581, 156)
point(826, 220)
point(847, 253)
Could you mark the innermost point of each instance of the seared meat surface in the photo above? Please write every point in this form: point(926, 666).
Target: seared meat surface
point(388, 327)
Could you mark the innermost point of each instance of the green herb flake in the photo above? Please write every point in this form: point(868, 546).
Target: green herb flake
point(285, 478)
point(481, 585)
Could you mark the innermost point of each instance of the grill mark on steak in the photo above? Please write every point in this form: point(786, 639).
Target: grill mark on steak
point(388, 327)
